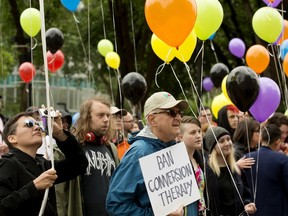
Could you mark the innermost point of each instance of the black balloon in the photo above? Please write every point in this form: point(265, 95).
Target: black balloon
point(217, 73)
point(242, 87)
point(134, 87)
point(54, 39)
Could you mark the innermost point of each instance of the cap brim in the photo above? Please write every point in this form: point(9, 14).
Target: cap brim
point(122, 112)
point(179, 103)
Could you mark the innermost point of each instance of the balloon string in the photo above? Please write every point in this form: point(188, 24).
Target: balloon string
point(103, 19)
point(120, 98)
point(111, 88)
point(285, 90)
point(133, 35)
point(32, 48)
point(1, 43)
point(202, 47)
point(114, 26)
point(183, 92)
point(277, 71)
point(81, 40)
point(75, 18)
point(158, 71)
point(202, 67)
point(49, 123)
point(214, 52)
point(90, 75)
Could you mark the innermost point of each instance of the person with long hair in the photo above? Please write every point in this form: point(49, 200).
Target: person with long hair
point(227, 188)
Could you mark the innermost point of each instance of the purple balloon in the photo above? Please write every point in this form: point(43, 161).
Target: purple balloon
point(237, 47)
point(207, 84)
point(274, 4)
point(267, 100)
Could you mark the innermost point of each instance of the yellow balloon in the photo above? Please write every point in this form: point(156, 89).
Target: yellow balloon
point(209, 18)
point(218, 102)
point(162, 50)
point(112, 59)
point(186, 49)
point(30, 21)
point(223, 87)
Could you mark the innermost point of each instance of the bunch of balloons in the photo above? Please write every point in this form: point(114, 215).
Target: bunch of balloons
point(105, 48)
point(176, 24)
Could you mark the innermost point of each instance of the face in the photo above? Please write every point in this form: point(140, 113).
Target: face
point(165, 123)
point(225, 144)
point(128, 122)
point(232, 119)
point(284, 132)
point(192, 136)
point(116, 121)
point(204, 114)
point(100, 114)
point(27, 134)
point(135, 127)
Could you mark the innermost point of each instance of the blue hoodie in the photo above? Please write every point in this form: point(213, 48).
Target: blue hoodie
point(127, 193)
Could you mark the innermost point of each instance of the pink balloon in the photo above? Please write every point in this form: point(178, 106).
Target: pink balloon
point(267, 100)
point(272, 3)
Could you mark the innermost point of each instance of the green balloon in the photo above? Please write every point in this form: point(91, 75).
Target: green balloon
point(105, 46)
point(267, 23)
point(30, 21)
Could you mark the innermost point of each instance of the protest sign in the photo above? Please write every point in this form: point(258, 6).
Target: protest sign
point(169, 179)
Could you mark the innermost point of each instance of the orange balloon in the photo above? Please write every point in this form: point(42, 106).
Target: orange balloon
point(257, 58)
point(284, 35)
point(285, 65)
point(171, 20)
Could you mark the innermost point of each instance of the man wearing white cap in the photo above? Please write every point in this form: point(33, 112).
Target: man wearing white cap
point(127, 193)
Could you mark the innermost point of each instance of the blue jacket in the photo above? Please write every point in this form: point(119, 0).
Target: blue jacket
point(127, 193)
point(271, 173)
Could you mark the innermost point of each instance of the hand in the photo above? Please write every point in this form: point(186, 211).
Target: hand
point(45, 180)
point(250, 208)
point(178, 212)
point(245, 162)
point(58, 132)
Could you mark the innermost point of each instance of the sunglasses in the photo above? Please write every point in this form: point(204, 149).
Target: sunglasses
point(171, 113)
point(29, 123)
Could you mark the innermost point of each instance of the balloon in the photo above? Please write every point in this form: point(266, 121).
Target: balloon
point(218, 102)
point(223, 87)
point(187, 48)
point(27, 71)
point(30, 21)
point(267, 24)
point(162, 50)
point(207, 84)
point(105, 46)
point(286, 112)
point(134, 87)
point(172, 21)
point(75, 117)
point(112, 59)
point(55, 61)
point(217, 73)
point(285, 65)
point(257, 58)
point(267, 100)
point(242, 87)
point(54, 39)
point(272, 3)
point(237, 47)
point(284, 34)
point(209, 18)
point(284, 49)
point(212, 36)
point(71, 5)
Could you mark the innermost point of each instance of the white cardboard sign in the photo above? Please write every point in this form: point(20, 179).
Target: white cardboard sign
point(169, 179)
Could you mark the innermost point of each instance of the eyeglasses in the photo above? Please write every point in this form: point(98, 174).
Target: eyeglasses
point(171, 113)
point(30, 123)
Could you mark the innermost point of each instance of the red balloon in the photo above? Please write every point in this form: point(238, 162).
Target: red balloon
point(27, 71)
point(55, 61)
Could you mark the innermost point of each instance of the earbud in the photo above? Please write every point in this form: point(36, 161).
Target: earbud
point(90, 137)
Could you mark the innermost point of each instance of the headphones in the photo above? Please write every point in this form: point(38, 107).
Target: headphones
point(90, 137)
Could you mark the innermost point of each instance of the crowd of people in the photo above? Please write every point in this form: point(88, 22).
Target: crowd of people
point(92, 167)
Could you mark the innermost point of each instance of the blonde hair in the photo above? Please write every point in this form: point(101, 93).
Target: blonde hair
point(214, 165)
